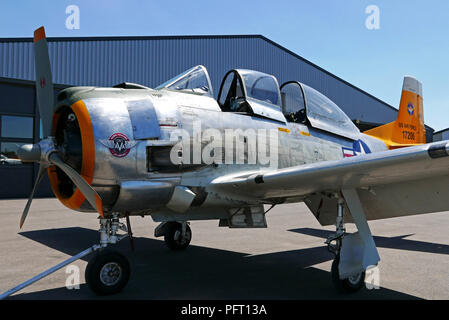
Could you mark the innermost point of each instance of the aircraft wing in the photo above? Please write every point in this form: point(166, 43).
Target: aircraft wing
point(392, 183)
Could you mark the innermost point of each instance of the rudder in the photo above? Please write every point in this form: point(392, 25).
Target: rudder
point(408, 129)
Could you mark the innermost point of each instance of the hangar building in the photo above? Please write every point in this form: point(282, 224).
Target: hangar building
point(107, 61)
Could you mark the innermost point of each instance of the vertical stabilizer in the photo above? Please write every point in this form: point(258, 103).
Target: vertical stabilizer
point(408, 129)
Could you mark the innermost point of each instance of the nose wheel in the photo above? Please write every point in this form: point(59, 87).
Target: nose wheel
point(177, 235)
point(107, 272)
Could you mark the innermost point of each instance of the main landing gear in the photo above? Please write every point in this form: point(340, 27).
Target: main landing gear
point(354, 282)
point(177, 235)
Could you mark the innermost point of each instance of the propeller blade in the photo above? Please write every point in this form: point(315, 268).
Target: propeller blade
point(40, 174)
point(44, 82)
point(90, 194)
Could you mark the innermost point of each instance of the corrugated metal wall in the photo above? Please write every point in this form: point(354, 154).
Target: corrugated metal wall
point(152, 60)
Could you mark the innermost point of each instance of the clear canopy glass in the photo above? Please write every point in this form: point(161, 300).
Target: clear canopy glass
point(325, 114)
point(195, 80)
point(293, 105)
point(261, 86)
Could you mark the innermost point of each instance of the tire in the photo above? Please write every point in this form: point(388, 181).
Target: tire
point(101, 272)
point(349, 285)
point(173, 239)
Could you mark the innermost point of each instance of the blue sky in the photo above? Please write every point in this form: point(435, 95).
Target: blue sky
point(412, 39)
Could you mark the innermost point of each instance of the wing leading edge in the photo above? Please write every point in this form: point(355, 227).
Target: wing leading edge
point(393, 183)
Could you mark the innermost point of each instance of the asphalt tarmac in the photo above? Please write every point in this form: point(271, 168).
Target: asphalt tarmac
point(288, 260)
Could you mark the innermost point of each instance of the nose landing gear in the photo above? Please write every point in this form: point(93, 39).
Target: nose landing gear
point(108, 271)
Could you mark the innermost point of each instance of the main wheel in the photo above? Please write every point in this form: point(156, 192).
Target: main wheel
point(173, 236)
point(107, 272)
point(352, 284)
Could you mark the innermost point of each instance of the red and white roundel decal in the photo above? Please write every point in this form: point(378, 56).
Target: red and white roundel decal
point(119, 145)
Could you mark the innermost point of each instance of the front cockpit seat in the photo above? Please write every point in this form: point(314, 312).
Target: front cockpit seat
point(297, 117)
point(239, 104)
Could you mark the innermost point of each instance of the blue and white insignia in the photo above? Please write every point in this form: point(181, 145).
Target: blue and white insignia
point(410, 109)
point(359, 147)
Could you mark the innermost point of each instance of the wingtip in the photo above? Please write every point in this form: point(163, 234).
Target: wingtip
point(39, 34)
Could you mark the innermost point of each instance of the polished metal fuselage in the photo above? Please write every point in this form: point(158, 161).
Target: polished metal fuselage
point(133, 184)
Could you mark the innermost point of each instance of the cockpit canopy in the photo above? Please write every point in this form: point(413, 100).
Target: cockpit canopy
point(258, 94)
point(261, 86)
point(195, 80)
point(251, 92)
point(301, 103)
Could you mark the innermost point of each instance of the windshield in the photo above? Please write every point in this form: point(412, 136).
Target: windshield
point(322, 111)
point(261, 86)
point(194, 80)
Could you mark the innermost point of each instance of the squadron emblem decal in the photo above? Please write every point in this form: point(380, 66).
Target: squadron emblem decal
point(410, 109)
point(119, 144)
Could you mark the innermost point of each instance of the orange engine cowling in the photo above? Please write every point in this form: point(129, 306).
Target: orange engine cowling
point(73, 132)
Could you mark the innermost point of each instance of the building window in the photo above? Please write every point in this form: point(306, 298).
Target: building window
point(15, 131)
point(17, 127)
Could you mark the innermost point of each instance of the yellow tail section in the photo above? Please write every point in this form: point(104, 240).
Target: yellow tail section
point(408, 129)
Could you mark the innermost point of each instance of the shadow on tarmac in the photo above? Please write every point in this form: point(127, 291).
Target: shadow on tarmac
point(204, 273)
point(398, 242)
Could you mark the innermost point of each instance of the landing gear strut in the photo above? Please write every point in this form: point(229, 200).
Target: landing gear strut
point(354, 282)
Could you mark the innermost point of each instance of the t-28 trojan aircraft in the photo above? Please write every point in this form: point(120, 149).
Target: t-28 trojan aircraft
point(177, 154)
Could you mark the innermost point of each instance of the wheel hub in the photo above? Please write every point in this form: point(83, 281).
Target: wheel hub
point(180, 239)
point(355, 279)
point(110, 274)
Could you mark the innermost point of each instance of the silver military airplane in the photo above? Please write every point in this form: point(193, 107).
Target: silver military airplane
point(112, 151)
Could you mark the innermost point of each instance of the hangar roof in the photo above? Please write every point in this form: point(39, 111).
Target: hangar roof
point(151, 60)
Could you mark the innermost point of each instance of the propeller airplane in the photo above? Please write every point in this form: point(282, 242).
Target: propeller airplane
point(177, 154)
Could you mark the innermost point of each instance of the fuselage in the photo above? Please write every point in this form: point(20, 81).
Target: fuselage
point(128, 135)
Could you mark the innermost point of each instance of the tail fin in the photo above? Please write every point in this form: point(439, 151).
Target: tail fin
point(408, 129)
